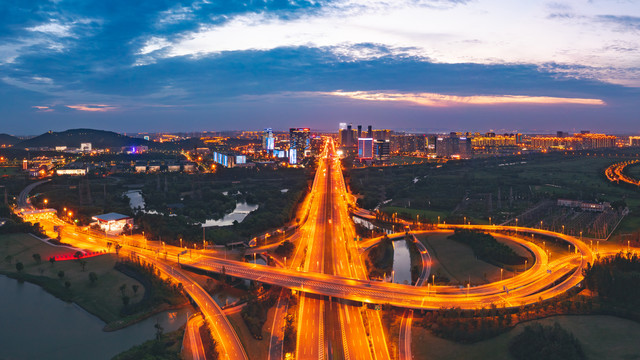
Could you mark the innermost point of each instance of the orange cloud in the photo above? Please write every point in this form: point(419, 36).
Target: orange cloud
point(92, 107)
point(42, 108)
point(443, 100)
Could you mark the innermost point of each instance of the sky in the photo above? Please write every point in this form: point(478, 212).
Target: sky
point(415, 65)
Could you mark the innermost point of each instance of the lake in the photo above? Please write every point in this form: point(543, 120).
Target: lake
point(37, 325)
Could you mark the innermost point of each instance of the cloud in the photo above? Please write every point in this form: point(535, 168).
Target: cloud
point(52, 28)
point(623, 22)
point(42, 108)
point(92, 107)
point(444, 100)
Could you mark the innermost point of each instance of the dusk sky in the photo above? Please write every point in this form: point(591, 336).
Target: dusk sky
point(162, 65)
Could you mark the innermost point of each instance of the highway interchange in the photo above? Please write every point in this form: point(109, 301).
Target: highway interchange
point(327, 270)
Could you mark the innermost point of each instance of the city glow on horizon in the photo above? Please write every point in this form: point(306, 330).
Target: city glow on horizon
point(443, 100)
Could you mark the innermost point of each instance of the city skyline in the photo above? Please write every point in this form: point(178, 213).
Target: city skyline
point(450, 65)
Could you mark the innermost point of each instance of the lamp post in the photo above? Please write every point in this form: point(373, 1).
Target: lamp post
point(501, 271)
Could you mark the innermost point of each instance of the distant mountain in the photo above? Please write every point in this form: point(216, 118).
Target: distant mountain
point(99, 139)
point(6, 140)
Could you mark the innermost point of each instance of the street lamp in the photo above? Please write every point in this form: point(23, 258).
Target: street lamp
point(501, 271)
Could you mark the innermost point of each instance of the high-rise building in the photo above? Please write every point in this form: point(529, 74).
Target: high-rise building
point(454, 146)
point(347, 137)
point(408, 143)
point(381, 150)
point(382, 135)
point(268, 141)
point(300, 141)
point(365, 148)
point(634, 140)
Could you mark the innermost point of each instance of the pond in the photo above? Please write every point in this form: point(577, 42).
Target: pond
point(239, 213)
point(37, 325)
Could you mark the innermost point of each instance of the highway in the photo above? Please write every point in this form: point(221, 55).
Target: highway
point(404, 338)
point(348, 263)
point(229, 347)
point(328, 272)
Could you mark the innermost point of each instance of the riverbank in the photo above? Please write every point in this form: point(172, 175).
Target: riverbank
point(63, 330)
point(71, 281)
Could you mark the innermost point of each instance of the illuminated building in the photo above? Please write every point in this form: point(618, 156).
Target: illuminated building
point(300, 141)
point(365, 149)
point(293, 158)
point(347, 137)
point(113, 223)
point(408, 143)
point(634, 140)
point(454, 146)
point(382, 135)
point(381, 150)
point(229, 161)
point(268, 141)
point(584, 140)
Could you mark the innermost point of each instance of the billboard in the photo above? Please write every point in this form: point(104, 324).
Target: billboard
point(241, 159)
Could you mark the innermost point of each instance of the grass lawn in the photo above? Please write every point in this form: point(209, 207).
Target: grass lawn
point(102, 299)
point(457, 261)
point(602, 337)
point(424, 214)
point(255, 349)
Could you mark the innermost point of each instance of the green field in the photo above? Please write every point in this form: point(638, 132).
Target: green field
point(500, 188)
point(602, 337)
point(457, 261)
point(102, 299)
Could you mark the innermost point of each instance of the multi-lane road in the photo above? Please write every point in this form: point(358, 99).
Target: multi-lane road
point(328, 272)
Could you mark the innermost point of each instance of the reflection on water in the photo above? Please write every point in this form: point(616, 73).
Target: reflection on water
point(37, 325)
point(239, 213)
point(401, 262)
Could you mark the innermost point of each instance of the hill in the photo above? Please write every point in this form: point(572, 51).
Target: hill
point(99, 139)
point(7, 140)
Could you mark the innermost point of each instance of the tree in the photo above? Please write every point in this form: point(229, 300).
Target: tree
point(122, 288)
point(67, 284)
point(61, 274)
point(125, 300)
point(83, 263)
point(52, 260)
point(37, 258)
point(8, 259)
point(77, 255)
point(19, 266)
point(118, 247)
point(135, 288)
point(159, 330)
point(93, 277)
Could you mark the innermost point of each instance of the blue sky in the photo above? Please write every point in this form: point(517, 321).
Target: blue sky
point(431, 65)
